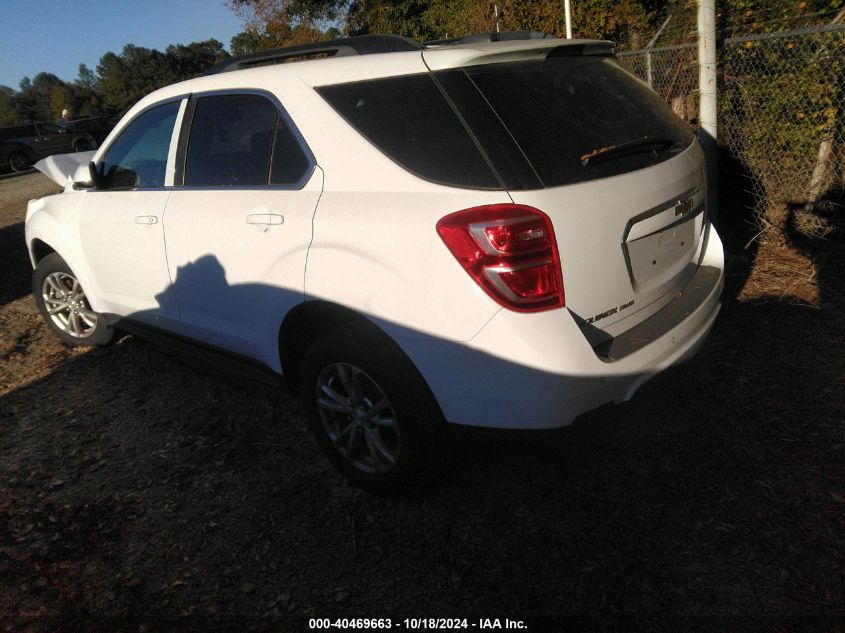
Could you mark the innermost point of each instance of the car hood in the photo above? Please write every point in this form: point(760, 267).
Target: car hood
point(61, 168)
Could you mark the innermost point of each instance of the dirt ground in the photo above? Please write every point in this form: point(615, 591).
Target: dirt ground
point(139, 492)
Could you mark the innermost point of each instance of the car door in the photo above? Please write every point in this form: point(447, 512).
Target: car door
point(121, 226)
point(29, 135)
point(239, 226)
point(53, 139)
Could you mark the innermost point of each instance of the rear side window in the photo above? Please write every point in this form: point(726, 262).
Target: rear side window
point(409, 119)
point(241, 140)
point(559, 110)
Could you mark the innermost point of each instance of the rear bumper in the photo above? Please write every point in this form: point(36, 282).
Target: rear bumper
point(539, 370)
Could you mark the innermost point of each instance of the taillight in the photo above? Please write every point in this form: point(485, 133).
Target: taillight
point(510, 251)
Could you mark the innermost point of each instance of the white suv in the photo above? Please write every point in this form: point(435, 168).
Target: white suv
point(497, 233)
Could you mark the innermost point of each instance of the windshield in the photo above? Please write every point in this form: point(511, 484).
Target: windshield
point(561, 109)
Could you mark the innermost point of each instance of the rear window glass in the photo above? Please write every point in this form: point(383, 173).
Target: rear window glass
point(409, 119)
point(231, 138)
point(241, 140)
point(560, 110)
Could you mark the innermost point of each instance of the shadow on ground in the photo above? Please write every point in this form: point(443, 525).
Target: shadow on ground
point(14, 262)
point(135, 490)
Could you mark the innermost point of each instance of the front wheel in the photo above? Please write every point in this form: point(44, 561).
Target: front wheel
point(370, 410)
point(62, 303)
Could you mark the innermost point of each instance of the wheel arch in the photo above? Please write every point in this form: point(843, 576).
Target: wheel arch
point(38, 250)
point(302, 326)
point(44, 235)
point(305, 323)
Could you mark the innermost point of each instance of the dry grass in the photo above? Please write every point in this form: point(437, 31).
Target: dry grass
point(781, 273)
point(140, 493)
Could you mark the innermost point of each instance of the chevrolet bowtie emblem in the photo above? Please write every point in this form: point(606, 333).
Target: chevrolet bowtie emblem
point(683, 207)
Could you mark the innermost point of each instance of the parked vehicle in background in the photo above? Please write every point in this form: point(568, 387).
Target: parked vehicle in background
point(98, 127)
point(39, 140)
point(505, 231)
point(15, 156)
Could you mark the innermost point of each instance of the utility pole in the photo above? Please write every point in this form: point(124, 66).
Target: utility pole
point(708, 95)
point(568, 15)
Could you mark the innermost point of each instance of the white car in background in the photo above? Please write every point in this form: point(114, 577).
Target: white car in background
point(500, 233)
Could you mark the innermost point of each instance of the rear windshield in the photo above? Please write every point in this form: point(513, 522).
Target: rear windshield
point(562, 109)
point(518, 125)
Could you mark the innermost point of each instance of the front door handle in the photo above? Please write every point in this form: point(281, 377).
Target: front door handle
point(146, 219)
point(265, 218)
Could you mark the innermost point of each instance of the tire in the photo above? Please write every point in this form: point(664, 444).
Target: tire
point(82, 146)
point(396, 449)
point(19, 161)
point(56, 289)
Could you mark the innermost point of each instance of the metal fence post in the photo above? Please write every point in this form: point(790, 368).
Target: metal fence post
point(648, 46)
point(707, 82)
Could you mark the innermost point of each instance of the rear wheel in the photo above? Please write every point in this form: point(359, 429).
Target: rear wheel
point(18, 161)
point(62, 303)
point(82, 146)
point(370, 410)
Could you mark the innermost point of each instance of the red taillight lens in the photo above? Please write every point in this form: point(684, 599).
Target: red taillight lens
point(510, 251)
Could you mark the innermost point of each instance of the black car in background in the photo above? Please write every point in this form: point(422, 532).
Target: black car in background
point(36, 140)
point(98, 126)
point(15, 156)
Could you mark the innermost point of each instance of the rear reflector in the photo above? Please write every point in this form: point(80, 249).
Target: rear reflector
point(510, 251)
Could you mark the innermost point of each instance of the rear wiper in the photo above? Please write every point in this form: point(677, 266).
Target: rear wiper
point(637, 146)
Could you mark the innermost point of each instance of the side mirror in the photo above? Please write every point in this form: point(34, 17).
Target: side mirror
point(95, 179)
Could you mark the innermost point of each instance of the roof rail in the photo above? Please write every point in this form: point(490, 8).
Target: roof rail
point(359, 45)
point(504, 36)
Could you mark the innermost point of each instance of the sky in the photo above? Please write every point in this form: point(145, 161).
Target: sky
point(52, 36)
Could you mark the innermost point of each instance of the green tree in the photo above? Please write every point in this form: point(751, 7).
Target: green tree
point(435, 19)
point(60, 99)
point(34, 100)
point(8, 110)
point(186, 61)
point(244, 43)
point(123, 79)
point(83, 91)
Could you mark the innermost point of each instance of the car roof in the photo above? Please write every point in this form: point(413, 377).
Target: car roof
point(346, 67)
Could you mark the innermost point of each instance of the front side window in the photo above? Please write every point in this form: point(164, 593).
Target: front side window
point(138, 157)
point(241, 140)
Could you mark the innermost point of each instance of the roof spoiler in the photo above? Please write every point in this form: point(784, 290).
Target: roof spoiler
point(504, 36)
point(600, 48)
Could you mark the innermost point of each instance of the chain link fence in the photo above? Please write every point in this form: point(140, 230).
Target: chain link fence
point(781, 109)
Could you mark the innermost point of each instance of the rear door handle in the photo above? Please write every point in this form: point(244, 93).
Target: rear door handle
point(265, 218)
point(146, 219)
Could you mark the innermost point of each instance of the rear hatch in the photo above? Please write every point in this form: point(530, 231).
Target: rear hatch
point(621, 177)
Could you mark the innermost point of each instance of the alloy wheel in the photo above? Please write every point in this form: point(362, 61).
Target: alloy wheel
point(68, 306)
point(358, 418)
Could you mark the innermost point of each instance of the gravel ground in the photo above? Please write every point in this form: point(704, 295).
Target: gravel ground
point(139, 492)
